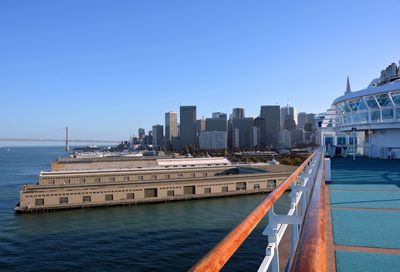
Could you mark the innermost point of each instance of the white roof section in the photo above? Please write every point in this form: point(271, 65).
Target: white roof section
point(193, 161)
point(394, 86)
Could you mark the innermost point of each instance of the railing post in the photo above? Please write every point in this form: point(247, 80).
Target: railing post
point(294, 228)
point(272, 238)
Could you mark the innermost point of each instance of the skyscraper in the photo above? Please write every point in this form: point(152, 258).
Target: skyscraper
point(260, 123)
point(288, 112)
point(219, 115)
point(141, 133)
point(272, 117)
point(171, 125)
point(187, 131)
point(241, 128)
point(158, 135)
point(237, 113)
point(216, 124)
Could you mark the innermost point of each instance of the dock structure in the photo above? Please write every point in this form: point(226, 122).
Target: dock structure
point(110, 181)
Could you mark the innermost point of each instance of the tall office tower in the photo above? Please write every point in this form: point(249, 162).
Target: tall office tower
point(288, 112)
point(241, 128)
point(237, 113)
point(310, 118)
point(141, 133)
point(158, 135)
point(187, 130)
point(219, 115)
point(171, 125)
point(254, 136)
point(200, 126)
point(301, 120)
point(272, 117)
point(216, 124)
point(260, 123)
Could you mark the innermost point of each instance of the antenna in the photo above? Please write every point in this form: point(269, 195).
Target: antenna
point(66, 139)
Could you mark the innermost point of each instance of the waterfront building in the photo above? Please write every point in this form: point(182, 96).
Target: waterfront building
point(237, 113)
point(158, 135)
point(187, 129)
point(213, 140)
point(105, 181)
point(272, 117)
point(171, 125)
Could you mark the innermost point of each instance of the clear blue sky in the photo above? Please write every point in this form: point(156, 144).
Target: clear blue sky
point(106, 68)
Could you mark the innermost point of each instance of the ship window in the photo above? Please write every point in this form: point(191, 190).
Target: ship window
point(130, 195)
point(205, 174)
point(345, 107)
point(97, 179)
point(112, 179)
point(224, 189)
point(256, 186)
point(387, 114)
point(126, 178)
point(352, 105)
point(109, 197)
point(86, 199)
point(375, 116)
point(371, 102)
point(360, 104)
point(396, 98)
point(167, 176)
point(140, 177)
point(39, 201)
point(207, 190)
point(383, 100)
point(63, 200)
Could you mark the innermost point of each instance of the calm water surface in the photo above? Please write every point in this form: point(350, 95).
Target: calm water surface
point(153, 237)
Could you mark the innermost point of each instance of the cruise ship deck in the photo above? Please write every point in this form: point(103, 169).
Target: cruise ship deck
point(364, 202)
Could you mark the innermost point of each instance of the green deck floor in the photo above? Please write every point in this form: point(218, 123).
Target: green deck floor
point(365, 208)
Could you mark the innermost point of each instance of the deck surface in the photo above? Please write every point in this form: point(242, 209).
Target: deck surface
point(365, 211)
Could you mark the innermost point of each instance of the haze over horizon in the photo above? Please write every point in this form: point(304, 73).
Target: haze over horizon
point(107, 68)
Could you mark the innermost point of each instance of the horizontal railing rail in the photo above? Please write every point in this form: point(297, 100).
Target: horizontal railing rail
point(304, 176)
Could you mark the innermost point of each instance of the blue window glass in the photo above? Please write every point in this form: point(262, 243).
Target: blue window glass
point(384, 100)
point(371, 102)
point(396, 98)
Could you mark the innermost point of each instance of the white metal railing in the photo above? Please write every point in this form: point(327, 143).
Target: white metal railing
point(278, 224)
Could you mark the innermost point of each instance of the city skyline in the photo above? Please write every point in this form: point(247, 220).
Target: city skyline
point(110, 71)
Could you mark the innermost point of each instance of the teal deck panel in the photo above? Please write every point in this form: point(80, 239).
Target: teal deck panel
point(362, 261)
point(377, 199)
point(364, 169)
point(366, 228)
point(365, 185)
